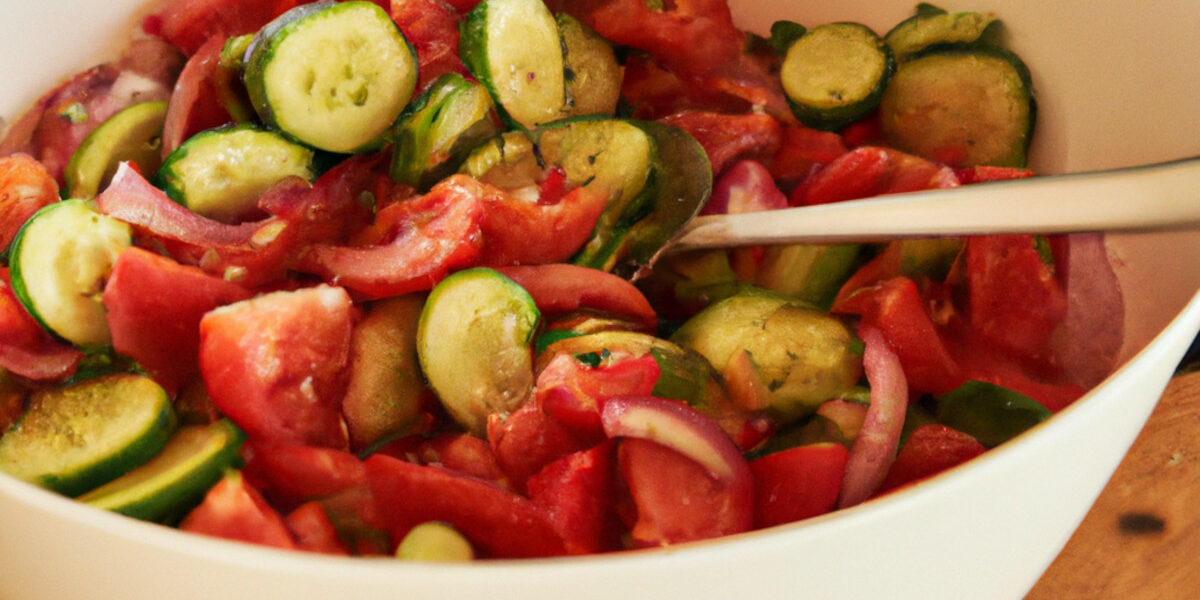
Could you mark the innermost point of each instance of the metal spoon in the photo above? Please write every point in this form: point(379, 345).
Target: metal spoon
point(1152, 197)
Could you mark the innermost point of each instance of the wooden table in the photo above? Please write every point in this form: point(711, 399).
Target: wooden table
point(1141, 540)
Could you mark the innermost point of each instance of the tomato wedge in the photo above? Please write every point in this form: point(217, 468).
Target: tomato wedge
point(154, 307)
point(25, 186)
point(274, 364)
point(797, 483)
point(234, 510)
point(498, 523)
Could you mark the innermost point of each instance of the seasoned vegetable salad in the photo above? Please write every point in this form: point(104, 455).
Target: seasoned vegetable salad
point(395, 278)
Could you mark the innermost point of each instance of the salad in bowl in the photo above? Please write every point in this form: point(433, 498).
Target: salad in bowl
point(389, 283)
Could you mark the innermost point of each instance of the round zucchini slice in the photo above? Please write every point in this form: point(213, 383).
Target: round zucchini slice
point(133, 134)
point(934, 26)
point(593, 76)
point(474, 344)
point(59, 262)
point(334, 76)
point(513, 48)
point(76, 438)
point(220, 173)
point(835, 74)
point(448, 120)
point(966, 107)
point(165, 488)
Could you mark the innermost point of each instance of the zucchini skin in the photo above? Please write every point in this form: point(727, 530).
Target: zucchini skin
point(893, 112)
point(833, 109)
point(264, 51)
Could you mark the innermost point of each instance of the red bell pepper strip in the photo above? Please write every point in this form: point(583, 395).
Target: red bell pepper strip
point(497, 522)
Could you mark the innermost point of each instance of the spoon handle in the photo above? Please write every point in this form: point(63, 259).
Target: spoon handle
point(1152, 197)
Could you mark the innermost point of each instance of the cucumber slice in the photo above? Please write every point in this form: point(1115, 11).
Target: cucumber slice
point(75, 438)
point(593, 76)
point(971, 106)
point(835, 74)
point(175, 480)
point(220, 173)
point(451, 118)
point(933, 26)
point(334, 76)
point(59, 262)
point(513, 48)
point(474, 344)
point(133, 134)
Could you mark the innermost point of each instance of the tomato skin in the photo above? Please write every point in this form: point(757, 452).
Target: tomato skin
point(430, 235)
point(274, 364)
point(234, 510)
point(676, 499)
point(985, 173)
point(459, 452)
point(154, 307)
point(187, 24)
point(577, 492)
point(498, 523)
point(573, 393)
point(691, 36)
point(25, 348)
point(871, 171)
point(314, 531)
point(895, 307)
point(529, 439)
point(517, 232)
point(25, 187)
point(930, 450)
point(747, 186)
point(803, 149)
point(797, 483)
point(431, 26)
point(559, 289)
point(726, 138)
point(194, 105)
point(1015, 302)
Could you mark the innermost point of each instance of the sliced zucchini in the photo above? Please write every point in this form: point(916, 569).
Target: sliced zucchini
point(835, 74)
point(968, 106)
point(684, 374)
point(174, 481)
point(810, 273)
point(220, 173)
point(334, 76)
point(133, 134)
point(386, 392)
point(513, 48)
point(474, 343)
point(804, 356)
point(933, 26)
point(681, 184)
point(76, 438)
point(593, 77)
point(451, 118)
point(435, 541)
point(59, 262)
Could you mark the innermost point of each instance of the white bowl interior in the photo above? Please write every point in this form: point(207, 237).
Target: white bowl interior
point(1117, 84)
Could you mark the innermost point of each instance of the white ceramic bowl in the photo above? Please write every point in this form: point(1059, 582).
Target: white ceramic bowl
point(1119, 84)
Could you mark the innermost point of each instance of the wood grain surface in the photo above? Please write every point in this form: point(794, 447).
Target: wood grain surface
point(1141, 539)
